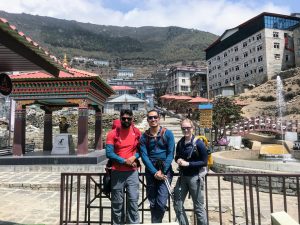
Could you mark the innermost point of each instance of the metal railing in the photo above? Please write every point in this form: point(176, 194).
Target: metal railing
point(230, 198)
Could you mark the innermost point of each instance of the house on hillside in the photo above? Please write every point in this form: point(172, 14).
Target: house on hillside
point(251, 53)
point(124, 102)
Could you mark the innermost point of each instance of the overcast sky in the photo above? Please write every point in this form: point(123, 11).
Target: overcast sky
point(214, 16)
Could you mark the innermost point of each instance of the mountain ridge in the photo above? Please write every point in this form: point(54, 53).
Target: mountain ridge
point(164, 44)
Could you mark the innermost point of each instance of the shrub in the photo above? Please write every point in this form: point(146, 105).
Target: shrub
point(269, 98)
point(289, 96)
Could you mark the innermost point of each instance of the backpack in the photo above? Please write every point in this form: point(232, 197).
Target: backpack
point(202, 138)
point(162, 134)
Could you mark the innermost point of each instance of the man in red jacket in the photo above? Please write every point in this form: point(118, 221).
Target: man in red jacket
point(122, 150)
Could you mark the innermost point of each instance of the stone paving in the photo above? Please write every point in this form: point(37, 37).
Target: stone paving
point(30, 195)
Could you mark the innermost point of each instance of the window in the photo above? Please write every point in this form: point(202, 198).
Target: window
point(245, 44)
point(183, 81)
point(237, 68)
point(209, 62)
point(245, 54)
point(258, 37)
point(117, 107)
point(275, 34)
point(225, 54)
point(219, 67)
point(184, 88)
point(286, 58)
point(225, 63)
point(246, 64)
point(226, 81)
point(134, 107)
point(259, 47)
point(226, 72)
point(219, 83)
point(236, 48)
point(218, 58)
point(236, 58)
point(237, 77)
point(260, 58)
point(261, 69)
point(246, 74)
point(276, 45)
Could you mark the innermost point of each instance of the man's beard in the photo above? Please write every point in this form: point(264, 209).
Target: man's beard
point(125, 124)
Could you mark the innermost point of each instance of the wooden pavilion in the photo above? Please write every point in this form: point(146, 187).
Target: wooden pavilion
point(74, 88)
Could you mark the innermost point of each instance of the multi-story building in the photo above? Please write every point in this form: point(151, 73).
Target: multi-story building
point(250, 53)
point(199, 83)
point(179, 79)
point(296, 31)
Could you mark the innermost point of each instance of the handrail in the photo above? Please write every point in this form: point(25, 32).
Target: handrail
point(229, 197)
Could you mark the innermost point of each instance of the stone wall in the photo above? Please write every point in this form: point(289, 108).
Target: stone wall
point(35, 125)
point(238, 162)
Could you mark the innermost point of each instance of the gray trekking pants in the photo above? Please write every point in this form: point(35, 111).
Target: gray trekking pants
point(130, 181)
point(193, 185)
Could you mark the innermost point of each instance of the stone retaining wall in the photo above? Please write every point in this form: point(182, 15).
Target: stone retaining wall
point(229, 162)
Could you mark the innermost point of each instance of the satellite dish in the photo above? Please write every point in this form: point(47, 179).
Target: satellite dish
point(5, 84)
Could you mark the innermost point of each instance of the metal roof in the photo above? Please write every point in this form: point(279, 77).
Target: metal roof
point(126, 99)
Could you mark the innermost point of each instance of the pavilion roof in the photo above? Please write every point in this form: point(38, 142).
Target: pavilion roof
point(19, 52)
point(42, 87)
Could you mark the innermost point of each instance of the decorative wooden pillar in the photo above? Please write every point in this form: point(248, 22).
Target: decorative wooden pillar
point(47, 144)
point(98, 130)
point(82, 147)
point(19, 130)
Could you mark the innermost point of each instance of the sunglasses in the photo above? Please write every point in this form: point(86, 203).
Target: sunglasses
point(152, 117)
point(186, 128)
point(126, 118)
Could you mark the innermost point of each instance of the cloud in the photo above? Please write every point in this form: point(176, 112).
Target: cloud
point(213, 16)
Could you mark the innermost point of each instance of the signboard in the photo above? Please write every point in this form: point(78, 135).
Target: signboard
point(5, 84)
point(206, 118)
point(205, 106)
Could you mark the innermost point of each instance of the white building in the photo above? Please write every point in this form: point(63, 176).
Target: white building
point(250, 53)
point(124, 73)
point(179, 79)
point(124, 102)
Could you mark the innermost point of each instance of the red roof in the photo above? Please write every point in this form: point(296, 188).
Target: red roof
point(182, 97)
point(199, 100)
point(167, 96)
point(73, 73)
point(123, 88)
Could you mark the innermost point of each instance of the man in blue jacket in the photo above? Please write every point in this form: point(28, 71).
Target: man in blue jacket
point(157, 146)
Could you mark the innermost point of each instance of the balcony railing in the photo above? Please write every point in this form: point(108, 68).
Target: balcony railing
point(229, 199)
